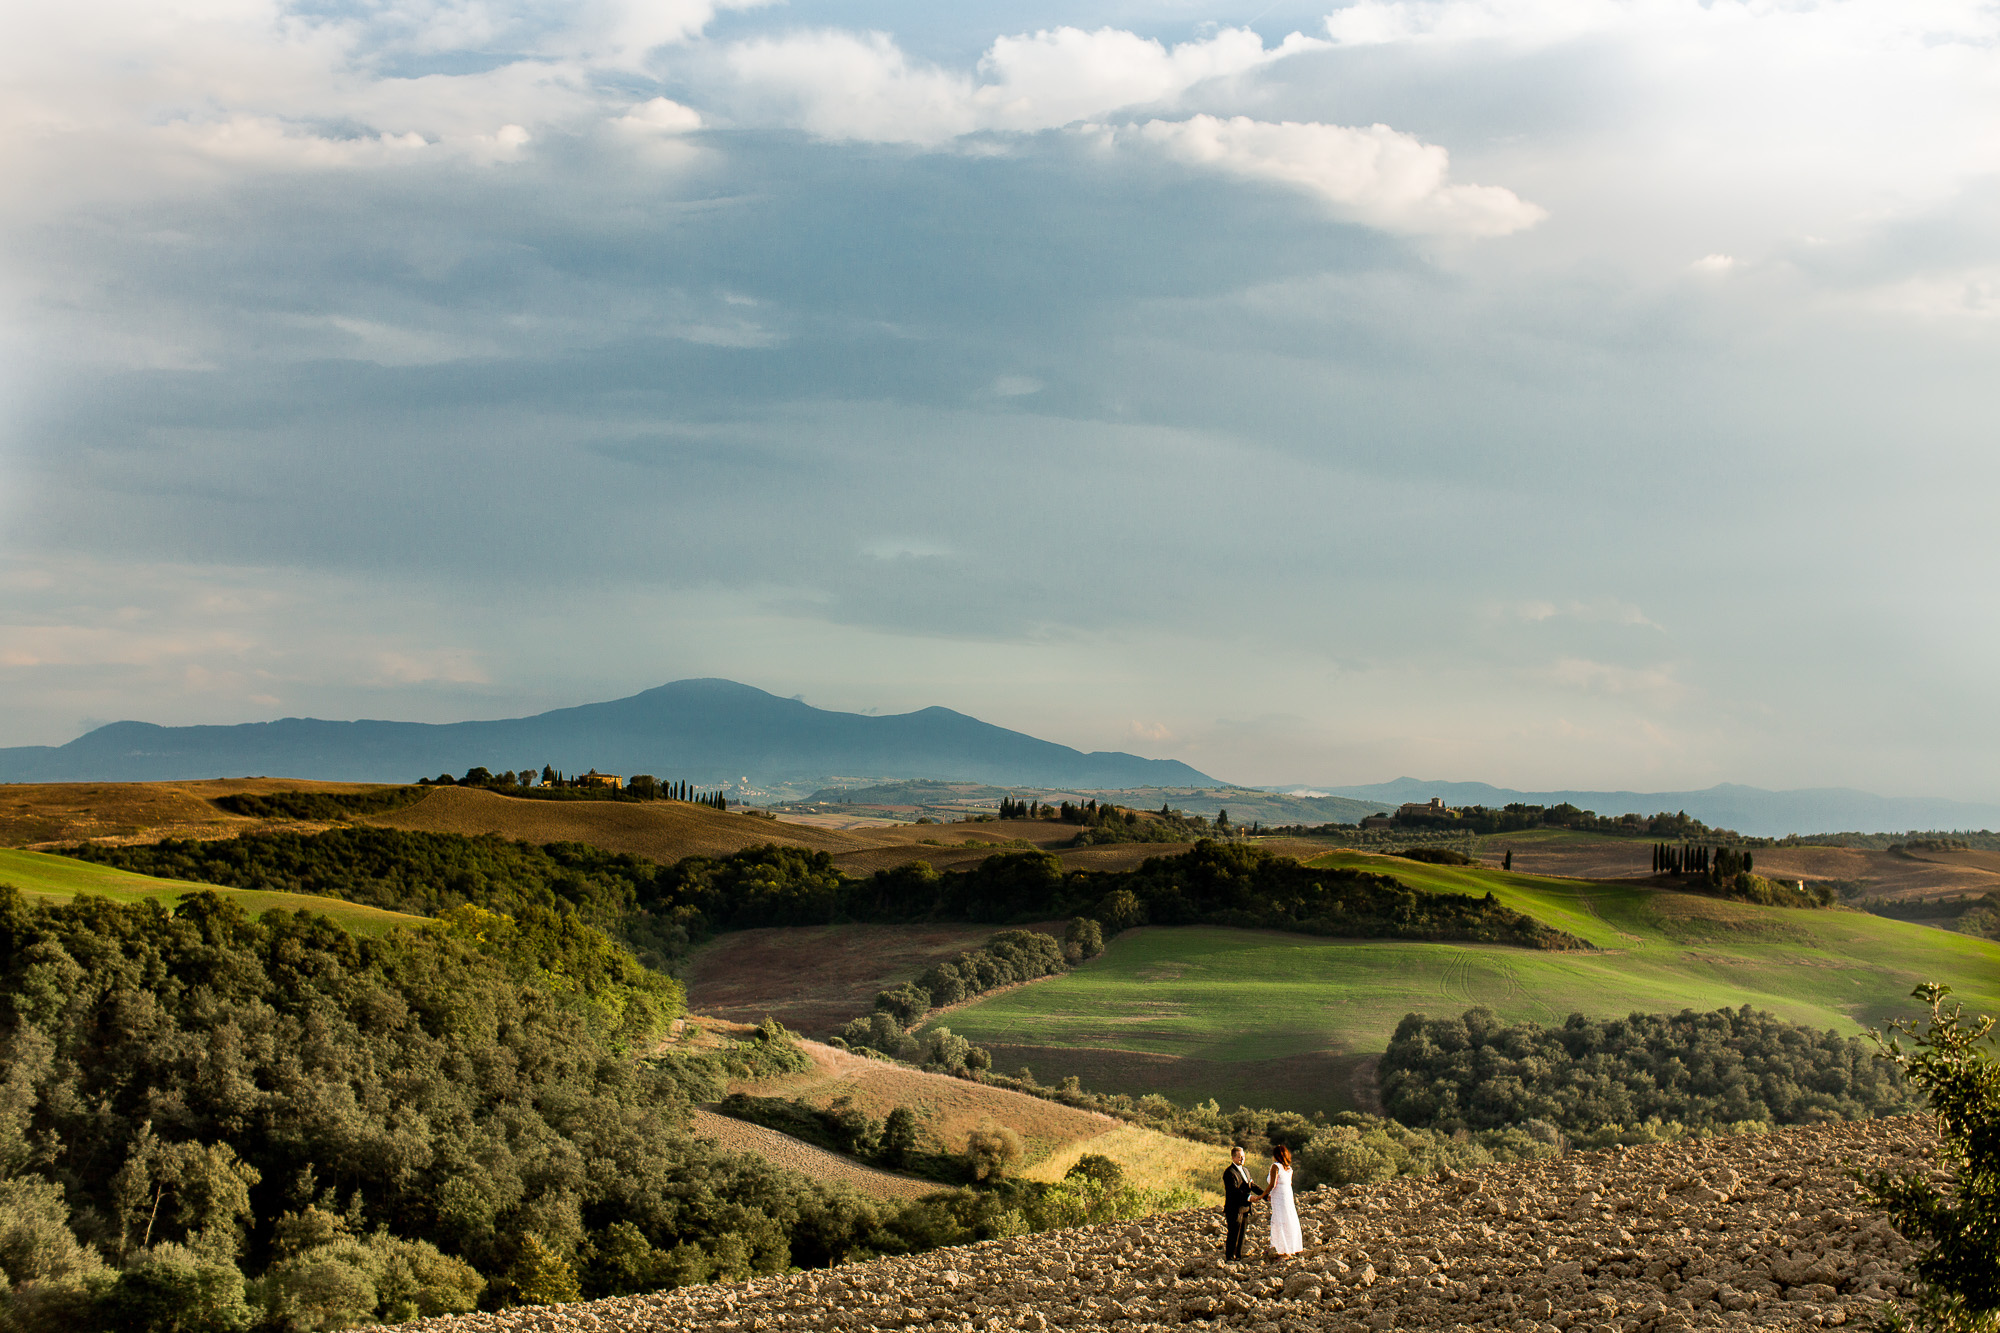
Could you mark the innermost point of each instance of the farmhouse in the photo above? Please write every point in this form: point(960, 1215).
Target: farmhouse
point(596, 779)
point(1433, 807)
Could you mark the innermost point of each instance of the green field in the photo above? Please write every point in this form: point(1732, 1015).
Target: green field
point(60, 878)
point(1284, 1020)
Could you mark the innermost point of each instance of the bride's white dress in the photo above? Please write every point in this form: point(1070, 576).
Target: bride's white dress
point(1285, 1236)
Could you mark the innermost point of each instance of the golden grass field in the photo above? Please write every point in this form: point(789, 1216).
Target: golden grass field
point(1886, 874)
point(1055, 1135)
point(43, 815)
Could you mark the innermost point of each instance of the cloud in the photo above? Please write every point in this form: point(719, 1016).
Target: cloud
point(843, 85)
point(663, 116)
point(1655, 685)
point(862, 86)
point(1375, 176)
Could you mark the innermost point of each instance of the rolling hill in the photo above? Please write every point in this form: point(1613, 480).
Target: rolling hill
point(707, 731)
point(1751, 810)
point(1293, 1021)
point(38, 875)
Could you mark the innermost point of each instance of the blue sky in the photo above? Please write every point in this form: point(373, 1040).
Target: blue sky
point(1540, 392)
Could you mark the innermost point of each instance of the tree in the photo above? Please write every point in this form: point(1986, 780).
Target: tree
point(991, 1151)
point(544, 1277)
point(899, 1136)
point(1956, 1230)
point(1084, 939)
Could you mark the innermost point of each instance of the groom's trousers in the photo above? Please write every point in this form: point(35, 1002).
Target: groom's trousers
point(1239, 1225)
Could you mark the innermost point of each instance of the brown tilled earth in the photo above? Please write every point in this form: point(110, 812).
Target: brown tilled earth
point(1335, 1080)
point(1884, 874)
point(814, 978)
point(808, 1159)
point(1742, 1232)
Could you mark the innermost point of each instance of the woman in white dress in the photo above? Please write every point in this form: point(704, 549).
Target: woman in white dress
point(1285, 1235)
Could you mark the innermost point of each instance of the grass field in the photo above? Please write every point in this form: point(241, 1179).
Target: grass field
point(59, 878)
point(1287, 1020)
point(950, 1108)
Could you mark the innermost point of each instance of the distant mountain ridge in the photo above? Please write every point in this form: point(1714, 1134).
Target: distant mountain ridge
point(1751, 810)
point(703, 729)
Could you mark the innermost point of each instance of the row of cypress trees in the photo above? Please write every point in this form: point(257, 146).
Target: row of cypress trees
point(1682, 859)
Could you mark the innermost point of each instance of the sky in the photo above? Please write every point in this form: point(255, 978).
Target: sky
point(1553, 393)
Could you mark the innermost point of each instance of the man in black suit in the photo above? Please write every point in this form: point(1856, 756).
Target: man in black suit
point(1237, 1196)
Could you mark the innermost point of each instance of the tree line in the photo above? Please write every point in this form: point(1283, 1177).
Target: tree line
point(659, 910)
point(1011, 957)
point(559, 786)
point(1705, 1071)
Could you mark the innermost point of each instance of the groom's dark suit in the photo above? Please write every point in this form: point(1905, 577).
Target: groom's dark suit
point(1237, 1194)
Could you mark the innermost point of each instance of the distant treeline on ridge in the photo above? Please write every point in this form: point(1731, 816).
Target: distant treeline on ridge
point(661, 909)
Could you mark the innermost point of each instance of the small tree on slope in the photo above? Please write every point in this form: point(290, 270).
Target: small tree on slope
point(1956, 1230)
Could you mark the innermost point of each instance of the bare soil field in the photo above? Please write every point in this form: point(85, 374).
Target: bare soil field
point(808, 1159)
point(1333, 1080)
point(46, 814)
point(1882, 873)
point(814, 978)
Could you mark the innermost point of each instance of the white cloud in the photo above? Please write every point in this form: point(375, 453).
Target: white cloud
point(1376, 176)
point(661, 116)
point(1059, 76)
point(844, 85)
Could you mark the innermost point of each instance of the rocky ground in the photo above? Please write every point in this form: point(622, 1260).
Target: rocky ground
point(1753, 1231)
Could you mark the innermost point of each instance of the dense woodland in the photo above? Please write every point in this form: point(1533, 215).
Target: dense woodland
point(659, 909)
point(1707, 1071)
point(212, 1122)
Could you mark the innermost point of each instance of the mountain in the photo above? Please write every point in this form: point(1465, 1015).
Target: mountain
point(703, 730)
point(1751, 810)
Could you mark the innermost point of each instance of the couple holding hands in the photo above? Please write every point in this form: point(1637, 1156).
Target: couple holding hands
point(1238, 1194)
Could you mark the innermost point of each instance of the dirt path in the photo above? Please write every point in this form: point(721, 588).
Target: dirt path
point(1362, 1089)
point(813, 1162)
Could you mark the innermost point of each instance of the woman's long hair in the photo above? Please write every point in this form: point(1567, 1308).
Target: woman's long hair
point(1282, 1156)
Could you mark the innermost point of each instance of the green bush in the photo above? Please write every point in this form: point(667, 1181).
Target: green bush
point(1437, 856)
point(992, 1151)
point(1956, 1229)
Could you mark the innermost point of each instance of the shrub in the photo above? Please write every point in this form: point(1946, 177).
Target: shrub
point(1084, 939)
point(1437, 856)
point(1957, 1229)
point(991, 1151)
point(1096, 1167)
